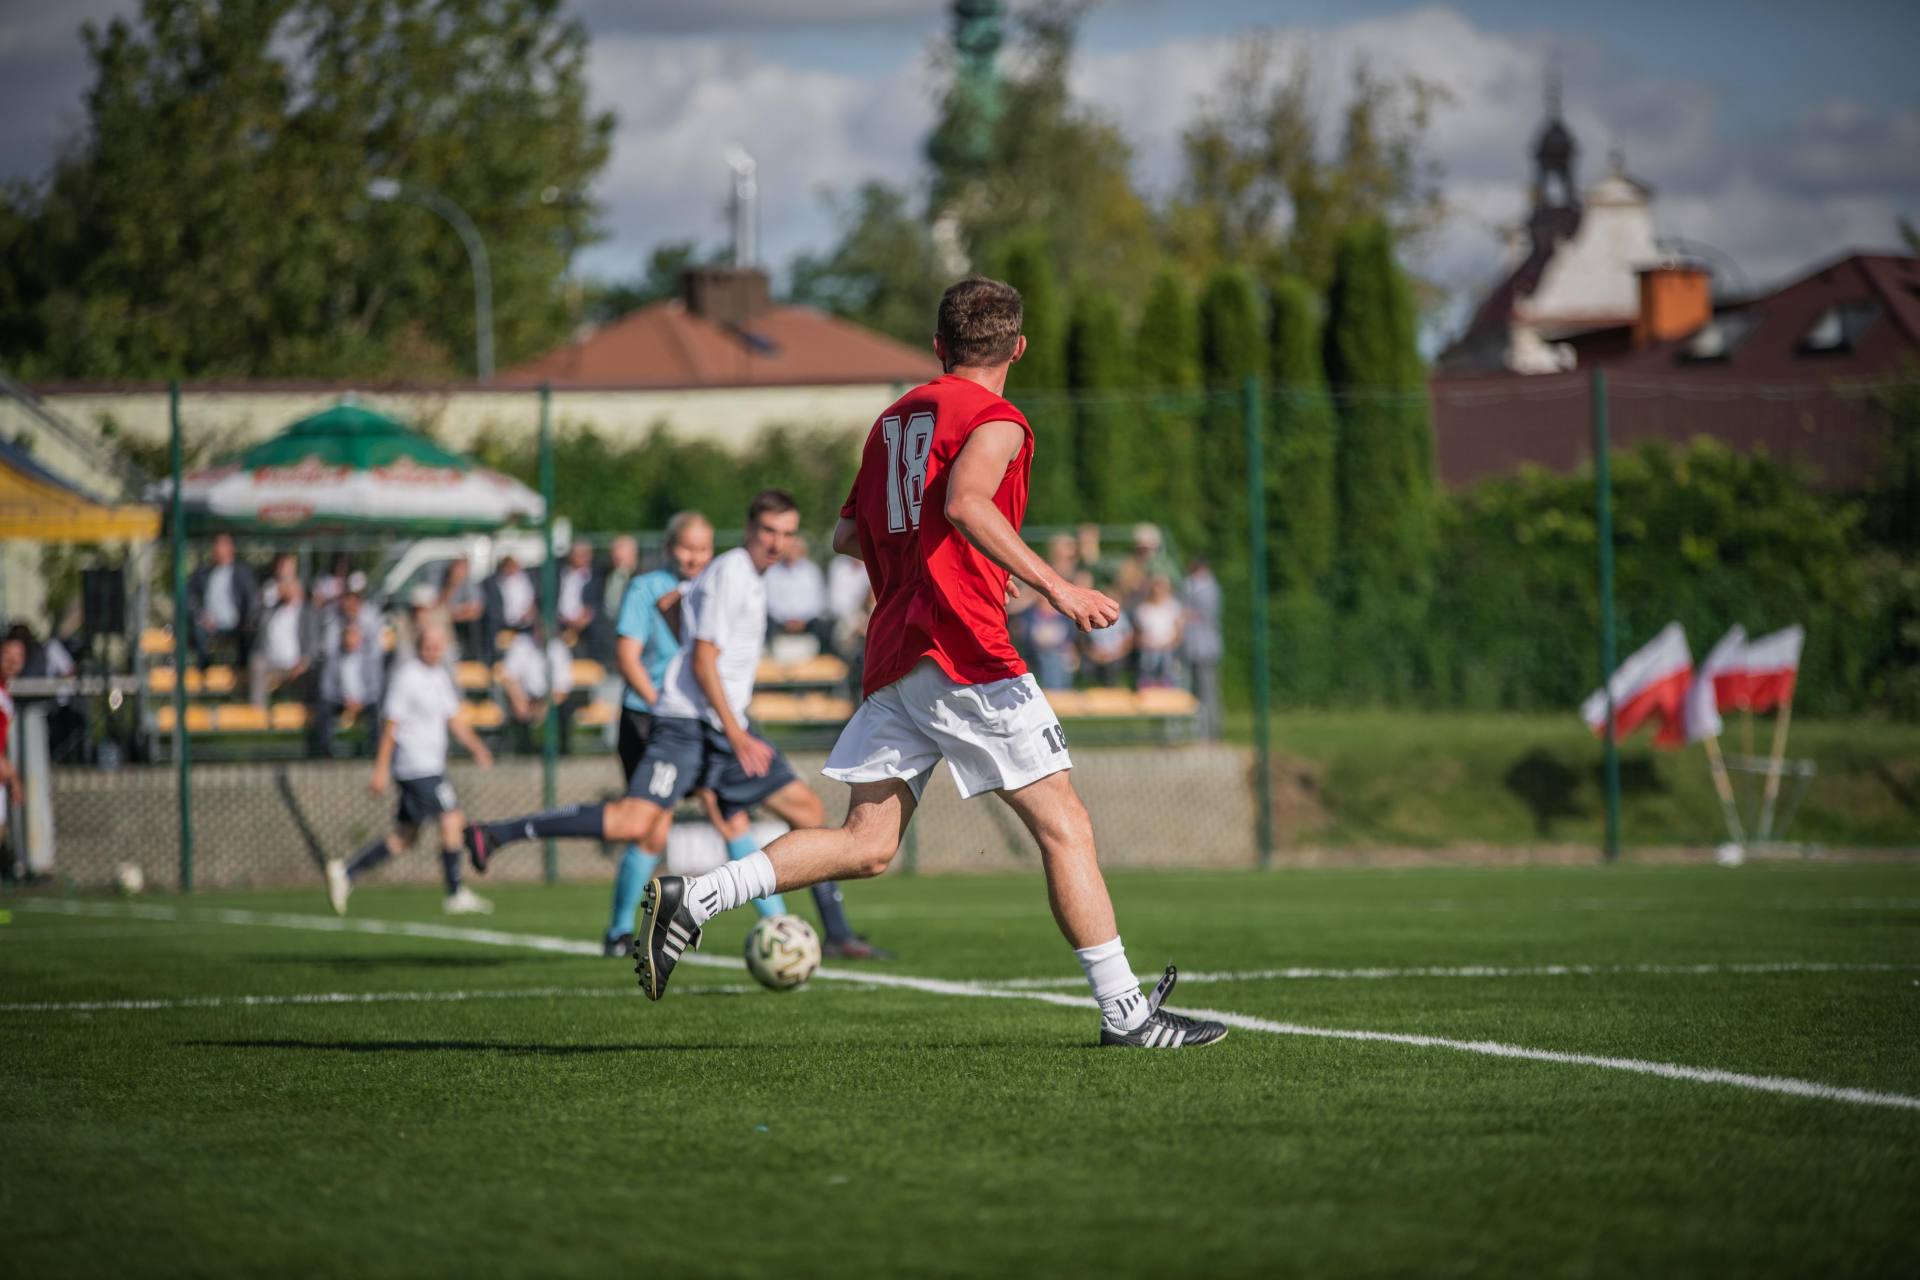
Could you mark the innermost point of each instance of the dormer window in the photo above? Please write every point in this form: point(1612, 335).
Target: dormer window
point(1717, 340)
point(1839, 328)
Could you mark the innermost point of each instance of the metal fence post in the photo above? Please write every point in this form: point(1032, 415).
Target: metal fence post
point(182, 634)
point(1262, 677)
point(549, 580)
point(1603, 528)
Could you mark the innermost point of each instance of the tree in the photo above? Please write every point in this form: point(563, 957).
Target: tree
point(1107, 464)
point(1384, 462)
point(1260, 188)
point(213, 220)
point(883, 273)
point(1232, 349)
point(1301, 511)
point(1166, 366)
point(1056, 169)
point(1037, 382)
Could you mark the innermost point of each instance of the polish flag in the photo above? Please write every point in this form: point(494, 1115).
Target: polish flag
point(1651, 683)
point(1723, 668)
point(1771, 666)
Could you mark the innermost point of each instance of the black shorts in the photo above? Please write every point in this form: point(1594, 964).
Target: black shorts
point(685, 754)
point(424, 798)
point(636, 728)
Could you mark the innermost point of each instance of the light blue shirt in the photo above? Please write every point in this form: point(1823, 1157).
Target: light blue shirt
point(640, 620)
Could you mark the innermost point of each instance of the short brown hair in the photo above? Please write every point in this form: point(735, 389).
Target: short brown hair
point(980, 321)
point(770, 502)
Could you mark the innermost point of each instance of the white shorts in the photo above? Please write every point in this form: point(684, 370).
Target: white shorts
point(998, 736)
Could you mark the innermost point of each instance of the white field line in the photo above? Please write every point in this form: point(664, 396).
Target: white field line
point(1484, 971)
point(940, 986)
point(358, 997)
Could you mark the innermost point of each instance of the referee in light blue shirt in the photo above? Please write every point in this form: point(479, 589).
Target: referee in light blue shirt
point(645, 642)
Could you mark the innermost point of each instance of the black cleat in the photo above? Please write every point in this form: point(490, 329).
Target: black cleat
point(854, 948)
point(479, 848)
point(666, 930)
point(621, 945)
point(1163, 1029)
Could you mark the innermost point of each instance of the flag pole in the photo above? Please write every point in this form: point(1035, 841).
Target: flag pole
point(1774, 767)
point(1723, 785)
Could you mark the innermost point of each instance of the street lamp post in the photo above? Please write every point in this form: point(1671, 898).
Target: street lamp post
point(391, 189)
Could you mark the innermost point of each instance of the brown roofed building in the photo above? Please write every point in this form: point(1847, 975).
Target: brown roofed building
point(723, 331)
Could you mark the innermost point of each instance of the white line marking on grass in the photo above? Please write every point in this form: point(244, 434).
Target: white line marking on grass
point(945, 987)
point(359, 997)
point(1485, 971)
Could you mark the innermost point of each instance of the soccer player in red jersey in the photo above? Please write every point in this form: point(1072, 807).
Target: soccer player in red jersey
point(935, 512)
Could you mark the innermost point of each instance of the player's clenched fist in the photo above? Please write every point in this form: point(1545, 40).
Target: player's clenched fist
point(1089, 609)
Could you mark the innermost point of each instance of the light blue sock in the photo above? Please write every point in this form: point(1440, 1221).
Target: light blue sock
point(771, 905)
point(636, 868)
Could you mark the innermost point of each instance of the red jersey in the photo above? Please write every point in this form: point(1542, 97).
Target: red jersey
point(935, 594)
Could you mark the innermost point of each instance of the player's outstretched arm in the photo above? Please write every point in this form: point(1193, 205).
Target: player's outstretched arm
point(971, 483)
point(755, 756)
point(463, 732)
point(627, 651)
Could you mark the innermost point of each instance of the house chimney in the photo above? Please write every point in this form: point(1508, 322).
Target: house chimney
point(1676, 300)
point(728, 296)
point(744, 207)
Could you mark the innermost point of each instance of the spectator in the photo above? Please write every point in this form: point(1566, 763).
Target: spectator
point(331, 585)
point(1063, 555)
point(221, 598)
point(1108, 647)
point(1200, 641)
point(349, 685)
point(1086, 545)
point(577, 594)
point(289, 641)
point(283, 568)
point(1134, 573)
point(1156, 628)
point(1050, 638)
point(464, 605)
point(13, 659)
point(67, 727)
point(797, 595)
point(849, 605)
point(623, 561)
point(510, 605)
point(524, 678)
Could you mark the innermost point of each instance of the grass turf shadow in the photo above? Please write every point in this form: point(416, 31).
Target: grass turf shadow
point(467, 1046)
point(412, 960)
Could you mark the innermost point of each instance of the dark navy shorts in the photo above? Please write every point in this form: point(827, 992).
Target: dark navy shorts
point(636, 727)
point(683, 755)
point(424, 798)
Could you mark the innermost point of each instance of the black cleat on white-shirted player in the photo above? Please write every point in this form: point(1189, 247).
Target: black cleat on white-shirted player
point(1164, 1029)
point(666, 931)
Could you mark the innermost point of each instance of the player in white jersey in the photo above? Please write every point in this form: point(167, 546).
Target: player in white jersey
point(422, 708)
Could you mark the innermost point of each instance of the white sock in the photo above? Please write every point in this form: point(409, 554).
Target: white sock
point(730, 884)
point(1114, 986)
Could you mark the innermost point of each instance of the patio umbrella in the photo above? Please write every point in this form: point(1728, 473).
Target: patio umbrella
point(348, 467)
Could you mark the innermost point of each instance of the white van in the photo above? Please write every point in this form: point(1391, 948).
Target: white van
point(423, 562)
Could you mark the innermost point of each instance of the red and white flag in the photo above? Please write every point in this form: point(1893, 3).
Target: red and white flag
point(1650, 684)
point(1722, 669)
point(1769, 669)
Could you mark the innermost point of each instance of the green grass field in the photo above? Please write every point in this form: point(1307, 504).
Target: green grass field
point(440, 1102)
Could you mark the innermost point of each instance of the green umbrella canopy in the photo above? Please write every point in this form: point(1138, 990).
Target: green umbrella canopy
point(347, 435)
point(348, 467)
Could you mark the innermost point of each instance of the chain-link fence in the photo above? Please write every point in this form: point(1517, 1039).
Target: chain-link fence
point(1357, 626)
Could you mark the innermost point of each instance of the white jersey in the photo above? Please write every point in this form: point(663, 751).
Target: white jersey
point(727, 607)
point(420, 701)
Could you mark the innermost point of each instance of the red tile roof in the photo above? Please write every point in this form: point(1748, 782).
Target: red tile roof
point(665, 345)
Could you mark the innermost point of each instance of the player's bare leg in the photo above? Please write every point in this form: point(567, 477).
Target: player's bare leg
point(1077, 892)
point(800, 808)
point(675, 908)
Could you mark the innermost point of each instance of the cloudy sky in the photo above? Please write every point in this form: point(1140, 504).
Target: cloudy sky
point(1778, 134)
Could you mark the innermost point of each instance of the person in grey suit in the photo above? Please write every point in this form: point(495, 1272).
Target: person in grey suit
point(222, 598)
point(1200, 641)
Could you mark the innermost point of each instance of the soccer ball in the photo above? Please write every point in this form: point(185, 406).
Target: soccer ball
point(129, 879)
point(782, 952)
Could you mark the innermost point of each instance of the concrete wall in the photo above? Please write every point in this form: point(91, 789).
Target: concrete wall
point(457, 416)
point(1190, 806)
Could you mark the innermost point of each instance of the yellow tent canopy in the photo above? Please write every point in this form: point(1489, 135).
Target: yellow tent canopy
point(39, 506)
